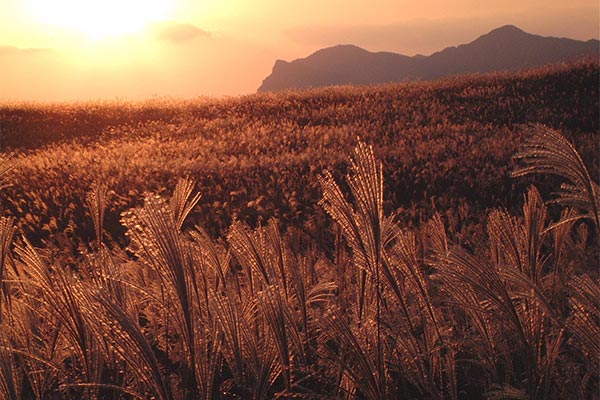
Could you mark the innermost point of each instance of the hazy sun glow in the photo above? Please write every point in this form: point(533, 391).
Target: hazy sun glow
point(101, 18)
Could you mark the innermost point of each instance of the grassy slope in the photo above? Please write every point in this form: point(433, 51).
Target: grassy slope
point(392, 313)
point(445, 145)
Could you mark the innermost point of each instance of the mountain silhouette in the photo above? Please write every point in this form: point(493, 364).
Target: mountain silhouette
point(503, 49)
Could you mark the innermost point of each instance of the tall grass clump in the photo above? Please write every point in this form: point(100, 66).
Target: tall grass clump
point(387, 312)
point(394, 336)
point(549, 152)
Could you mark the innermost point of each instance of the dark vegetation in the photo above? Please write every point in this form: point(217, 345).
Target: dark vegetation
point(296, 272)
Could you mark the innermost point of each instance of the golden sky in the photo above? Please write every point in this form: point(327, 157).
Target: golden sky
point(87, 49)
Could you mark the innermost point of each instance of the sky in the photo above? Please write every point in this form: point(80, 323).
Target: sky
point(66, 50)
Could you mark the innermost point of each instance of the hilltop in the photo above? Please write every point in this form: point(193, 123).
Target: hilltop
point(507, 48)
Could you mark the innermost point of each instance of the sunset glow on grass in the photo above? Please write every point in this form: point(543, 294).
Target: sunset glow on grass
point(267, 199)
point(97, 19)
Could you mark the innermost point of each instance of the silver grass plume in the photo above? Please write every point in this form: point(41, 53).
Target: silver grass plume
point(365, 228)
point(6, 165)
point(96, 202)
point(547, 151)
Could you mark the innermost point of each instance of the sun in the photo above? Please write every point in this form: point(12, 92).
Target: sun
point(98, 19)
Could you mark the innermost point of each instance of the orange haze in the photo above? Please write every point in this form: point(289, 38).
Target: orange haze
point(185, 48)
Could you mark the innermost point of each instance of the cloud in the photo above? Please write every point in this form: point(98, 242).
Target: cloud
point(413, 37)
point(425, 36)
point(177, 32)
point(12, 50)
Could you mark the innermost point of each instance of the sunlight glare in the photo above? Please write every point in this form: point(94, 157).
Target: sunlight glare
point(98, 19)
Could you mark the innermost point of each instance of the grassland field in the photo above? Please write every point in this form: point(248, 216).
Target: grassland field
point(347, 242)
point(446, 146)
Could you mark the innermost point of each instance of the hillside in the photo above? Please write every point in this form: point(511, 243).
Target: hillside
point(363, 242)
point(507, 48)
point(443, 143)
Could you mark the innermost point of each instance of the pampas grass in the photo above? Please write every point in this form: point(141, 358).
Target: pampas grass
point(391, 313)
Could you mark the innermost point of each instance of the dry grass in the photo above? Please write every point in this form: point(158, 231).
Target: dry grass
point(389, 313)
point(445, 147)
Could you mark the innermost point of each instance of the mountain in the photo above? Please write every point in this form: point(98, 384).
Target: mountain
point(503, 49)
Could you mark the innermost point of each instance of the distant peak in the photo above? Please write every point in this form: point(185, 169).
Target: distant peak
point(339, 52)
point(503, 34)
point(506, 30)
point(344, 48)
